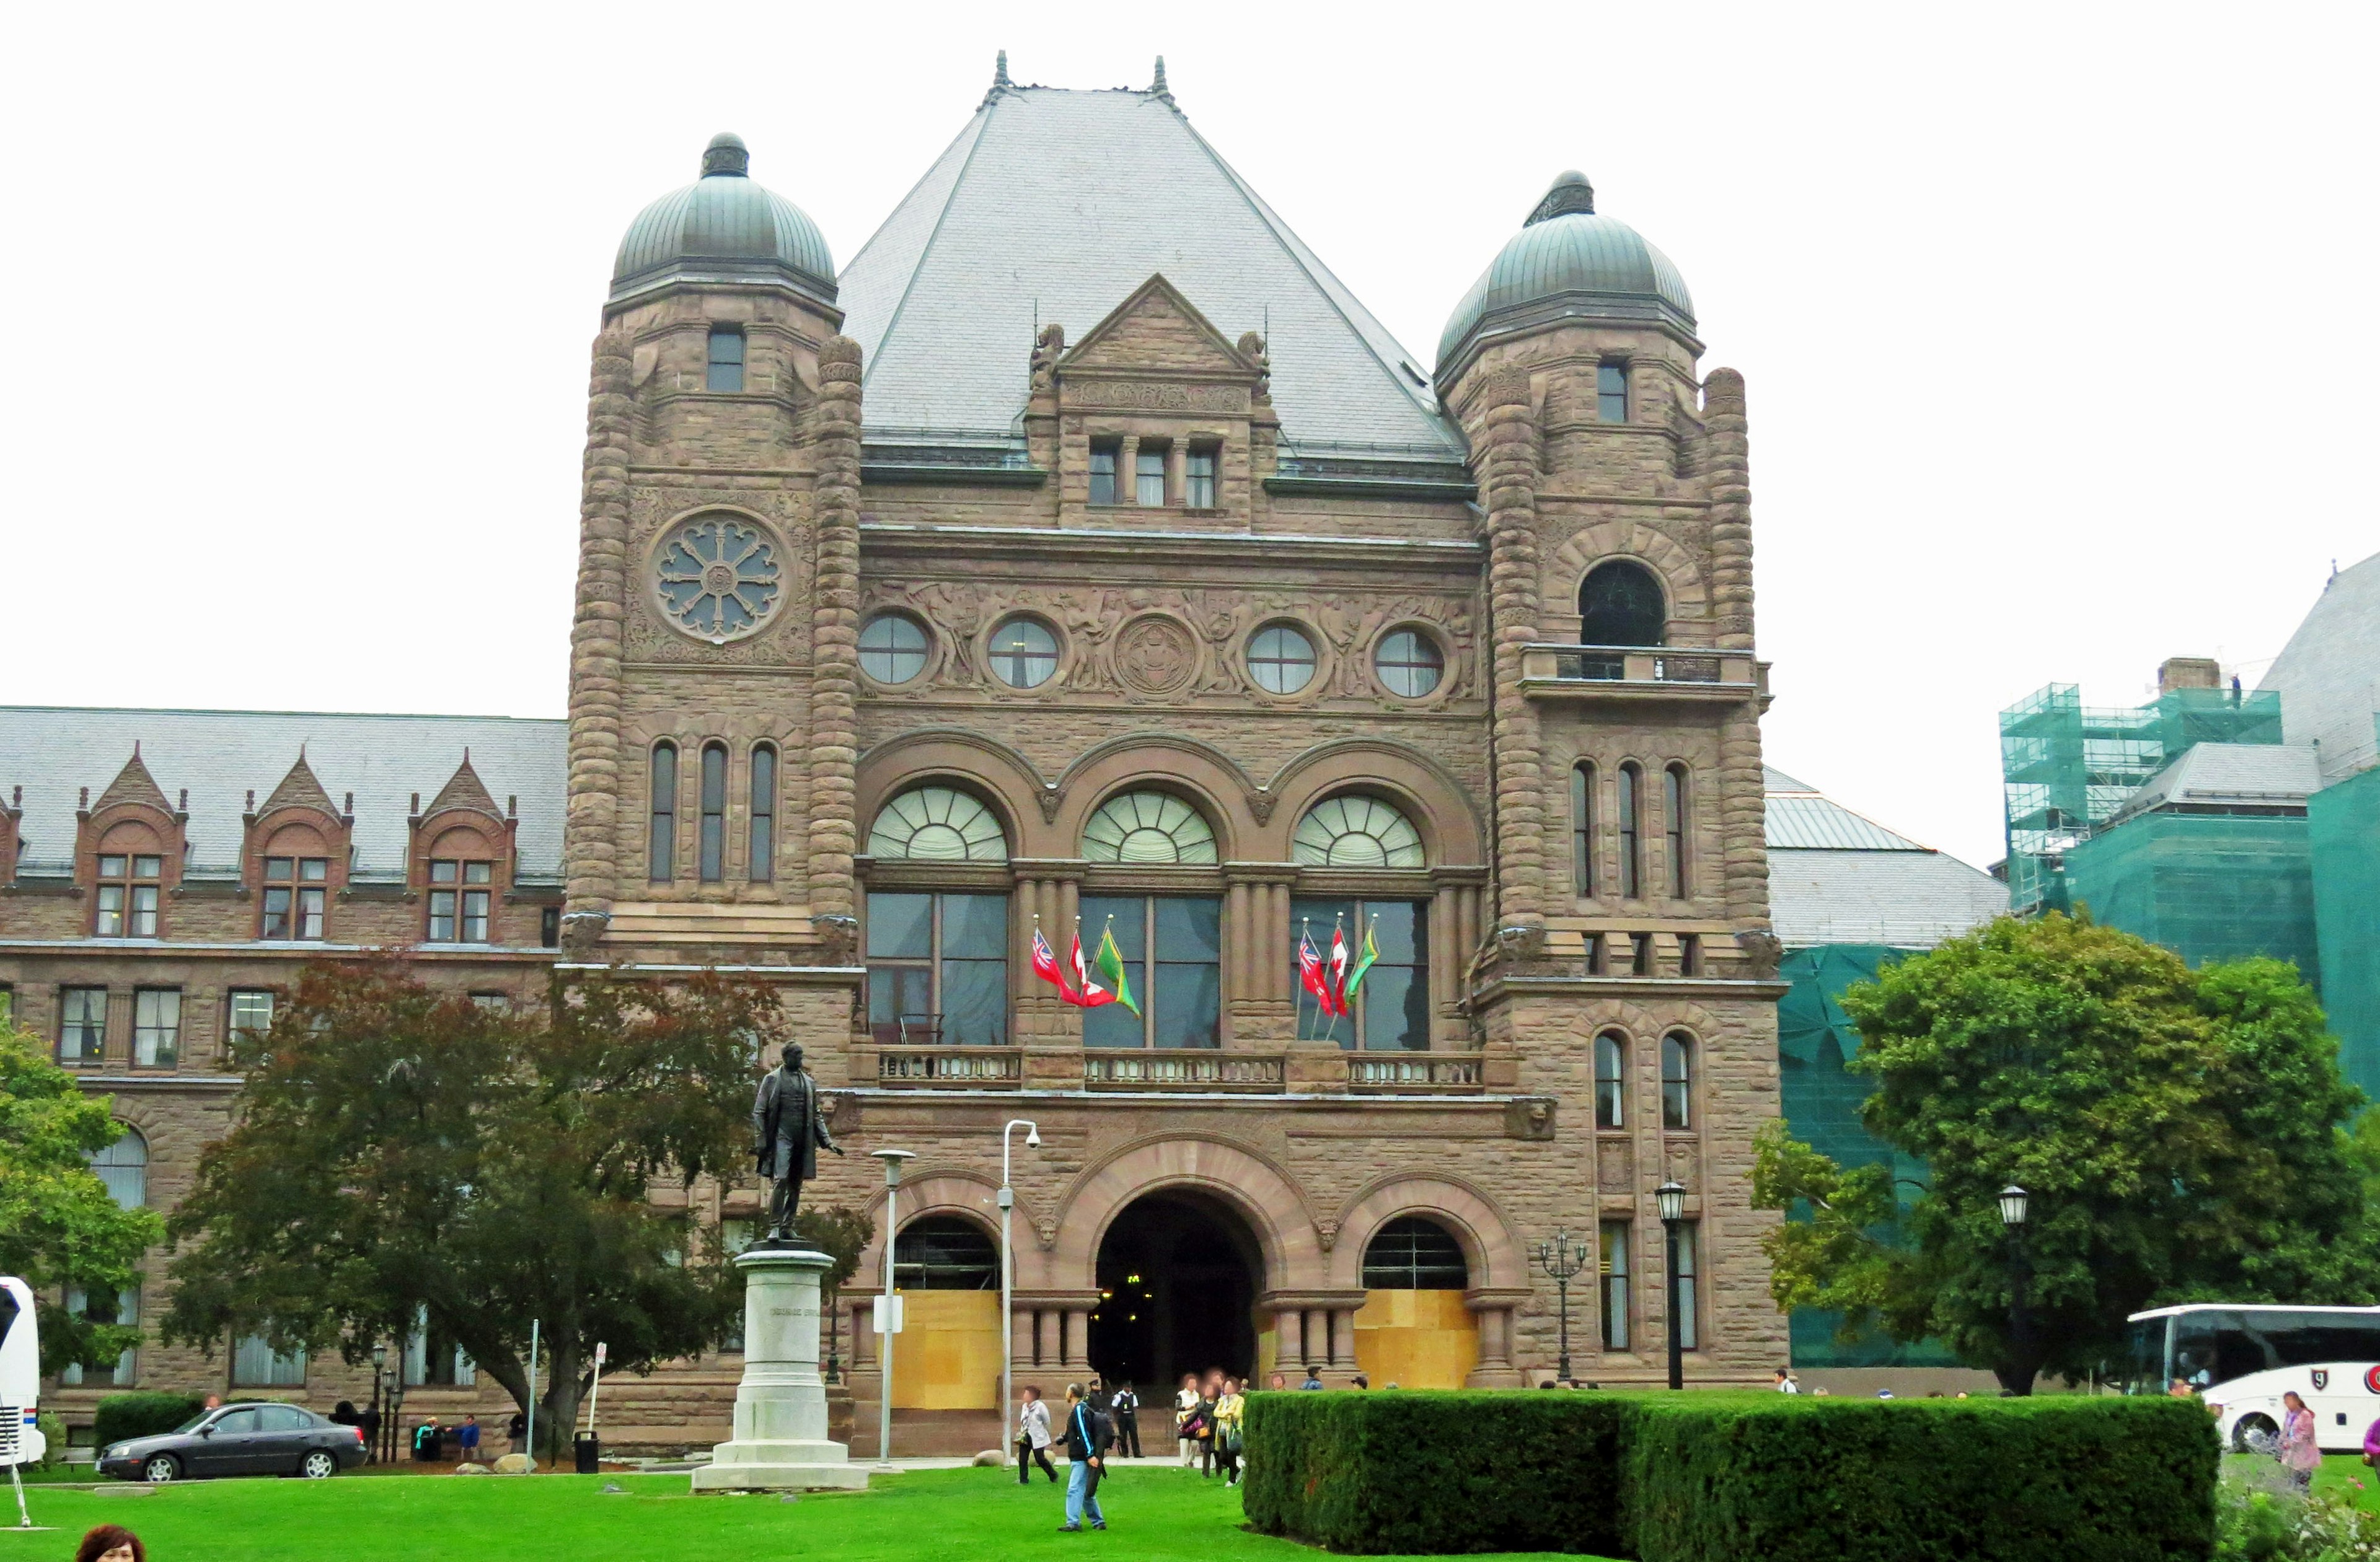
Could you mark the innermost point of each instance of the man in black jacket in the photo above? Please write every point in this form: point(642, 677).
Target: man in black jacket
point(1088, 1433)
point(1125, 1408)
point(788, 1130)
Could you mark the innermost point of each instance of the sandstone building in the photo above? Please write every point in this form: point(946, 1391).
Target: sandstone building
point(1080, 553)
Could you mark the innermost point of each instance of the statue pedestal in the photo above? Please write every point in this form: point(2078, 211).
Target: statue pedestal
point(780, 1441)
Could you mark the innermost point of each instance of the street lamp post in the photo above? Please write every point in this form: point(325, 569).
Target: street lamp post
point(1008, 1278)
point(2015, 1203)
point(1562, 1262)
point(379, 1360)
point(1670, 1197)
point(887, 1316)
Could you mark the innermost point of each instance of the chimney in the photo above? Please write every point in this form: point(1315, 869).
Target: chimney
point(2189, 672)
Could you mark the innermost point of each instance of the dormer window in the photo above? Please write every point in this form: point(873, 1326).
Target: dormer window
point(459, 912)
point(1104, 454)
point(127, 895)
point(726, 368)
point(295, 892)
point(1611, 391)
point(1149, 475)
point(1198, 489)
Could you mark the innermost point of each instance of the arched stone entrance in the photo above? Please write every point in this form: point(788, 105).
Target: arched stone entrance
point(1179, 1272)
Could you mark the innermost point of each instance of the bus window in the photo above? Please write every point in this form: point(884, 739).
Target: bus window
point(2217, 1344)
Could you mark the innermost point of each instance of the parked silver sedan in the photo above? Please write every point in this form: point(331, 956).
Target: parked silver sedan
point(246, 1439)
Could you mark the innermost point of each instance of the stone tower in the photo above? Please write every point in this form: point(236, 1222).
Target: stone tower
point(712, 655)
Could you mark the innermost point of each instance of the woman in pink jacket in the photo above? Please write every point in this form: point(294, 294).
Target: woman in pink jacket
point(2298, 1454)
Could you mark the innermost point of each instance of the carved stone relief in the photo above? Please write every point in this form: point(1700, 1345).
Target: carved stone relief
point(1140, 395)
point(1156, 655)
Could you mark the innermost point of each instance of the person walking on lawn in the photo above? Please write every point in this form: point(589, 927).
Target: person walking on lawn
point(1229, 1406)
point(1087, 1434)
point(1033, 1438)
point(1185, 1404)
point(2298, 1451)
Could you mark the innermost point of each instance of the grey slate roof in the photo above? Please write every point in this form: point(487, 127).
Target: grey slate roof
point(2261, 775)
point(1059, 203)
point(2328, 675)
point(221, 756)
point(1838, 878)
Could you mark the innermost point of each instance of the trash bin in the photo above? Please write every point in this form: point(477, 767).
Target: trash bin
point(587, 1448)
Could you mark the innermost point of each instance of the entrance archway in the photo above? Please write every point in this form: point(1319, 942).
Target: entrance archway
point(1178, 1273)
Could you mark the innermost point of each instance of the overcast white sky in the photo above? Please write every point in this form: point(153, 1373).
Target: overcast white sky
point(2057, 320)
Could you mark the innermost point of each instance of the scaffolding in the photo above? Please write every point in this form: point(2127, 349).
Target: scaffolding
point(2207, 886)
point(2066, 767)
point(2343, 836)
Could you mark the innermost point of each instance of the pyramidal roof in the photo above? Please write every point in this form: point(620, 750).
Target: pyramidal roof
point(299, 789)
point(463, 790)
point(1053, 205)
point(133, 784)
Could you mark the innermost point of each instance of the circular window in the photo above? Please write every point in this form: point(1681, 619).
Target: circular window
point(892, 648)
point(1024, 653)
point(1148, 826)
point(1409, 663)
point(717, 579)
point(1281, 658)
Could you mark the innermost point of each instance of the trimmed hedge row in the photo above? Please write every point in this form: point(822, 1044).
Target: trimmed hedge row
point(122, 1416)
point(1709, 1477)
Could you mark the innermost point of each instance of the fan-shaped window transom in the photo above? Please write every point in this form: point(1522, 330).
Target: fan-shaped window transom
point(1357, 832)
point(937, 824)
point(1148, 826)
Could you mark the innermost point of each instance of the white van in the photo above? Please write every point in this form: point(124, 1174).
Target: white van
point(20, 1375)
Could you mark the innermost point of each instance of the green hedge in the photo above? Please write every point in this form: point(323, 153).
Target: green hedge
point(1709, 1477)
point(121, 1416)
point(2058, 1478)
point(1416, 1471)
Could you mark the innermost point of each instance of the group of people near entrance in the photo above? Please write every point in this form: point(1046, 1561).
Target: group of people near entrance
point(1094, 1425)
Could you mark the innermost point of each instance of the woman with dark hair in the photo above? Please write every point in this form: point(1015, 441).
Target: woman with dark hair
point(2298, 1454)
point(111, 1543)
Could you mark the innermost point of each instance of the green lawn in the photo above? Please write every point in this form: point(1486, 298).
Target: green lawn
point(1155, 1513)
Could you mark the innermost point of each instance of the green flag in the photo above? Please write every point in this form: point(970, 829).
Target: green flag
point(1110, 965)
point(1371, 952)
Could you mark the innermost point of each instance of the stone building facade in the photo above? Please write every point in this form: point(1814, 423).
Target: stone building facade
point(1083, 555)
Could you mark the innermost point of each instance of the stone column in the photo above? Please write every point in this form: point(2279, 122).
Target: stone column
point(1128, 470)
point(1289, 1341)
point(834, 627)
point(1343, 1339)
point(780, 1440)
point(1078, 1340)
point(591, 846)
point(1508, 479)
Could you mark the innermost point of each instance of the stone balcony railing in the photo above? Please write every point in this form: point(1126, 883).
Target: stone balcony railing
point(1656, 672)
point(1415, 1075)
point(1184, 1070)
point(969, 1066)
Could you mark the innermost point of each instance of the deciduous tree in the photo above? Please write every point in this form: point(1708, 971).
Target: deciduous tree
point(2180, 1134)
point(408, 1158)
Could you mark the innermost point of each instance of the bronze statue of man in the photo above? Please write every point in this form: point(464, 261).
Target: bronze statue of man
point(787, 1133)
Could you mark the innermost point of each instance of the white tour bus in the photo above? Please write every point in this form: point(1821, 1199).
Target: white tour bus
point(20, 1375)
point(2242, 1358)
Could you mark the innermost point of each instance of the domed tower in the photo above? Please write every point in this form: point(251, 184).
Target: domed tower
point(1627, 737)
point(713, 660)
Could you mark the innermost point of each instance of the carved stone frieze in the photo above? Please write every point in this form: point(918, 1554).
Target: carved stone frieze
point(1148, 396)
point(648, 639)
point(1157, 655)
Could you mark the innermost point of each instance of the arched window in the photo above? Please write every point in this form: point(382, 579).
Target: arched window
point(937, 824)
point(1148, 826)
point(1677, 1081)
point(1582, 829)
point(296, 885)
point(1621, 604)
point(712, 841)
point(1673, 815)
point(760, 861)
point(1631, 825)
point(1413, 1253)
point(461, 888)
point(131, 865)
point(662, 828)
point(1356, 831)
point(1610, 1080)
point(124, 1167)
point(945, 1253)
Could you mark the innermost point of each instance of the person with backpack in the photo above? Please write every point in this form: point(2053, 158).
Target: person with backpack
point(1087, 1434)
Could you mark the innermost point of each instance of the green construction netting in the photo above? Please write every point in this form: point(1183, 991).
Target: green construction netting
point(1822, 1106)
point(2343, 833)
point(2207, 886)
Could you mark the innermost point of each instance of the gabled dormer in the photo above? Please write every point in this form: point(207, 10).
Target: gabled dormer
point(460, 860)
point(12, 836)
point(1157, 410)
point(294, 856)
point(129, 848)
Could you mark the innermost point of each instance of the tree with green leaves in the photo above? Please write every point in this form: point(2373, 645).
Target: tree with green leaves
point(59, 1226)
point(408, 1160)
point(2180, 1134)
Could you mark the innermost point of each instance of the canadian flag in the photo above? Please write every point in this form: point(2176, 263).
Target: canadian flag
point(1336, 977)
point(1310, 975)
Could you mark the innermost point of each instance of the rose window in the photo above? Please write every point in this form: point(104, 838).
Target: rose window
point(717, 579)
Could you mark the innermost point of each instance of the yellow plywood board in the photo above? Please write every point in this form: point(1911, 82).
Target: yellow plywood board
point(1416, 1339)
point(948, 1355)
